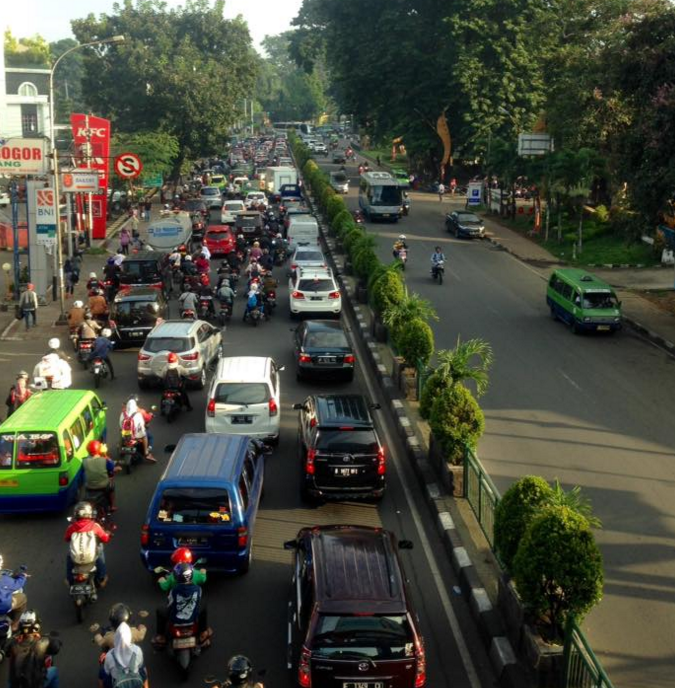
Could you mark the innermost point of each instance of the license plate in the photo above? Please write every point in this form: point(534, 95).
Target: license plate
point(603, 328)
point(9, 483)
point(241, 420)
point(192, 541)
point(383, 215)
point(326, 359)
point(363, 684)
point(316, 298)
point(137, 334)
point(80, 589)
point(182, 643)
point(346, 472)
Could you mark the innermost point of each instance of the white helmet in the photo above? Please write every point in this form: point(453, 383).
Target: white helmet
point(105, 332)
point(54, 343)
point(78, 304)
point(401, 237)
point(188, 257)
point(92, 275)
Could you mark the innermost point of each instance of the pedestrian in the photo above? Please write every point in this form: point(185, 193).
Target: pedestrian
point(148, 209)
point(29, 305)
point(441, 191)
point(134, 220)
point(125, 240)
point(378, 161)
point(453, 186)
point(72, 275)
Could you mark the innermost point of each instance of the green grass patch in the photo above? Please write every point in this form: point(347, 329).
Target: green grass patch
point(96, 251)
point(385, 157)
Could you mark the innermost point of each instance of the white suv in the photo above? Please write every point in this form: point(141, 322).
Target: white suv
point(244, 398)
point(196, 342)
point(313, 290)
point(228, 213)
point(255, 198)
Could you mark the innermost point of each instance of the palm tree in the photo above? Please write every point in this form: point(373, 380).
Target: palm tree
point(456, 365)
point(575, 501)
point(411, 307)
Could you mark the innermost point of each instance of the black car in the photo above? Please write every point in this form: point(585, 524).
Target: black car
point(351, 621)
point(340, 453)
point(135, 312)
point(339, 158)
point(145, 269)
point(464, 224)
point(195, 205)
point(322, 350)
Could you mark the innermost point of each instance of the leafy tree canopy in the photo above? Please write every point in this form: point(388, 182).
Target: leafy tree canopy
point(30, 52)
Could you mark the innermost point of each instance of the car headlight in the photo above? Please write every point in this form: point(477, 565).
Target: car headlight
point(587, 319)
point(616, 320)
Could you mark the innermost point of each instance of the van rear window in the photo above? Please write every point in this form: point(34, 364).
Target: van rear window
point(348, 441)
point(194, 506)
point(37, 450)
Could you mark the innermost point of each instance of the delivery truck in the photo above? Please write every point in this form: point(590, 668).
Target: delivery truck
point(276, 177)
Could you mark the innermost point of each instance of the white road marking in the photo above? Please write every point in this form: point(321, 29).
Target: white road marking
point(570, 380)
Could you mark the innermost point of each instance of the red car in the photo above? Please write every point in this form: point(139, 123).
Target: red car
point(219, 239)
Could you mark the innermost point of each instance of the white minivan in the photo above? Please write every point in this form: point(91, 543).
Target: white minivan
point(244, 398)
point(303, 230)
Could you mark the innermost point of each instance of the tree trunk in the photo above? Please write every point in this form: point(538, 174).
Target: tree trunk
point(559, 212)
point(581, 224)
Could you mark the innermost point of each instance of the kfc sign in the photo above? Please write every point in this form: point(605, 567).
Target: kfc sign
point(93, 132)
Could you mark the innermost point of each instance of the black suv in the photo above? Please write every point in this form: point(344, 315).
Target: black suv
point(135, 312)
point(144, 269)
point(340, 452)
point(351, 621)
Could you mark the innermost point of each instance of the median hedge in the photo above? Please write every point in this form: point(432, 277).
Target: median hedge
point(387, 289)
point(415, 342)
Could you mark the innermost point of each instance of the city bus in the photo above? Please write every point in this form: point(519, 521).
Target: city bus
point(379, 196)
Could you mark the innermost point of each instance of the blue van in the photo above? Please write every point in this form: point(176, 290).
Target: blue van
point(207, 500)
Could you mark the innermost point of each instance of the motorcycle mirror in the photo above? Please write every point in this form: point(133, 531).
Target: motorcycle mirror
point(281, 368)
point(291, 544)
point(94, 628)
point(298, 407)
point(405, 544)
point(210, 679)
point(153, 407)
point(144, 614)
point(169, 448)
point(69, 519)
point(159, 569)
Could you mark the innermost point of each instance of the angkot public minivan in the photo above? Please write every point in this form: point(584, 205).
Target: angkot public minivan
point(583, 301)
point(42, 445)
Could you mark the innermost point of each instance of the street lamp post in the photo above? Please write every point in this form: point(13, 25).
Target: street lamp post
point(55, 163)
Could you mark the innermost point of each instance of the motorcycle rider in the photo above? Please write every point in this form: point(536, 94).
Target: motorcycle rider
point(98, 306)
point(256, 251)
point(31, 655)
point(119, 613)
point(266, 261)
point(399, 244)
point(93, 283)
point(181, 555)
point(239, 671)
point(99, 472)
point(12, 601)
point(133, 418)
point(174, 381)
point(124, 662)
point(54, 367)
point(111, 272)
point(254, 299)
point(89, 329)
point(77, 534)
point(102, 348)
point(225, 293)
point(76, 316)
point(18, 394)
point(188, 302)
point(436, 257)
point(202, 264)
point(187, 266)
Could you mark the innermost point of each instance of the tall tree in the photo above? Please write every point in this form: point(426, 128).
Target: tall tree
point(68, 95)
point(26, 52)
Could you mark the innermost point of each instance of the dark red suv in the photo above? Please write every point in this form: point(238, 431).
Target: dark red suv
point(351, 623)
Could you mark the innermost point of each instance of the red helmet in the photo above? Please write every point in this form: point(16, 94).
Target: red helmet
point(182, 555)
point(94, 448)
point(204, 279)
point(172, 357)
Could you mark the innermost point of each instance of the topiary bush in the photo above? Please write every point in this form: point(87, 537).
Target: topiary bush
point(309, 168)
point(456, 420)
point(376, 274)
point(433, 386)
point(326, 194)
point(387, 289)
point(415, 342)
point(365, 262)
point(558, 569)
point(350, 237)
point(514, 512)
point(342, 218)
point(334, 206)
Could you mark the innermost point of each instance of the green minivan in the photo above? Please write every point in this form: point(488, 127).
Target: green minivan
point(42, 445)
point(584, 302)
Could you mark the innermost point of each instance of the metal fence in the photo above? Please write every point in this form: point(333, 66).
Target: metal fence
point(423, 373)
point(582, 668)
point(481, 493)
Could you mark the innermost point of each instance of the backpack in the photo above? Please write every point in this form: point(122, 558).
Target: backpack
point(83, 546)
point(127, 425)
point(28, 668)
point(252, 301)
point(126, 677)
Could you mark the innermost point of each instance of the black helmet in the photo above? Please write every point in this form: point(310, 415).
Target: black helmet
point(239, 669)
point(119, 613)
point(183, 573)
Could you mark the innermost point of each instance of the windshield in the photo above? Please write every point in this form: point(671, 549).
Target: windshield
point(239, 205)
point(131, 309)
point(348, 441)
point(326, 339)
point(385, 195)
point(468, 217)
point(142, 271)
point(600, 300)
point(242, 393)
point(178, 344)
point(340, 178)
point(6, 450)
point(316, 285)
point(210, 191)
point(218, 234)
point(194, 506)
point(37, 450)
point(307, 256)
point(378, 637)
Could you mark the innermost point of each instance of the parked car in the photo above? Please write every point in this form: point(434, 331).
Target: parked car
point(339, 182)
point(464, 224)
point(351, 614)
point(340, 453)
point(314, 290)
point(196, 342)
point(134, 313)
point(322, 350)
point(219, 239)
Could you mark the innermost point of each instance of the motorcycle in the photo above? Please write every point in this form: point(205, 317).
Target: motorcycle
point(99, 501)
point(170, 405)
point(402, 255)
point(214, 682)
point(110, 289)
point(99, 369)
point(84, 347)
point(438, 270)
point(255, 315)
point(270, 300)
point(5, 615)
point(188, 314)
point(205, 307)
point(130, 451)
point(405, 207)
point(225, 312)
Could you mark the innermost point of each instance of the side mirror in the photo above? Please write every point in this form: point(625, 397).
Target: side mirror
point(298, 407)
point(291, 544)
point(375, 406)
point(200, 561)
point(158, 569)
point(153, 408)
point(405, 544)
point(168, 448)
point(280, 369)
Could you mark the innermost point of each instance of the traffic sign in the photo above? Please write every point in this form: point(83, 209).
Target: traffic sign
point(128, 165)
point(45, 213)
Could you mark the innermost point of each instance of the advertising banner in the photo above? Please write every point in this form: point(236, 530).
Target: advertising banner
point(23, 156)
point(91, 136)
point(45, 212)
point(80, 181)
point(474, 193)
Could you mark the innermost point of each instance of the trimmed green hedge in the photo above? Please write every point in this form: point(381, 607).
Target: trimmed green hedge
point(415, 342)
point(364, 262)
point(334, 206)
point(387, 289)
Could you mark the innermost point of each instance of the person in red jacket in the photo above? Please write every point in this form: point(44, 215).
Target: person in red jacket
point(84, 523)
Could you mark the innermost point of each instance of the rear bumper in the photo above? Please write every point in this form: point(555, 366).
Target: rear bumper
point(214, 560)
point(314, 309)
point(268, 434)
point(375, 491)
point(17, 504)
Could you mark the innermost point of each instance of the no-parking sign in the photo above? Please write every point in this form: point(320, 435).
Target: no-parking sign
point(128, 165)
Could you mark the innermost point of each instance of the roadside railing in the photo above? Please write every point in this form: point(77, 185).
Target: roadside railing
point(423, 373)
point(582, 668)
point(481, 493)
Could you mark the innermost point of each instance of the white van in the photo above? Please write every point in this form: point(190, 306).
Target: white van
point(303, 230)
point(244, 398)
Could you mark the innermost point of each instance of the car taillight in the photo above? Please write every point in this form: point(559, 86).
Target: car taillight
point(63, 479)
point(349, 358)
point(334, 295)
point(297, 295)
point(190, 357)
point(242, 537)
point(274, 409)
point(309, 463)
point(186, 632)
point(381, 463)
point(421, 671)
point(211, 408)
point(304, 671)
point(304, 358)
point(143, 357)
point(145, 535)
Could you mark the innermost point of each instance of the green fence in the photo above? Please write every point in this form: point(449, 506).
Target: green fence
point(582, 668)
point(423, 373)
point(481, 493)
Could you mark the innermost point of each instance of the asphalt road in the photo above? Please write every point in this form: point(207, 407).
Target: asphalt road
point(248, 613)
point(594, 411)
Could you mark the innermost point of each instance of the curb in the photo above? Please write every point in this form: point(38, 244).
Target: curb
point(488, 620)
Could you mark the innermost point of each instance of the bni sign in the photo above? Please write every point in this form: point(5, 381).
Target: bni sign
point(45, 213)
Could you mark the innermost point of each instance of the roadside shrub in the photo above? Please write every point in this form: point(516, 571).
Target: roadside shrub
point(365, 262)
point(350, 237)
point(365, 240)
point(456, 420)
point(558, 569)
point(309, 168)
point(375, 275)
point(334, 206)
point(433, 386)
point(339, 219)
point(388, 289)
point(415, 342)
point(326, 194)
point(514, 512)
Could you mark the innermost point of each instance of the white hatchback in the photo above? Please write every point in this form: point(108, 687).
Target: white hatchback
point(314, 291)
point(244, 398)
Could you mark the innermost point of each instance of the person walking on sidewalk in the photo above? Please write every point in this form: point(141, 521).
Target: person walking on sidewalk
point(148, 209)
point(125, 240)
point(29, 305)
point(441, 191)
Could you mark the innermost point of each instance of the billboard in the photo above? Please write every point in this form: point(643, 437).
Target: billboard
point(91, 136)
point(45, 213)
point(23, 156)
point(80, 181)
point(534, 144)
